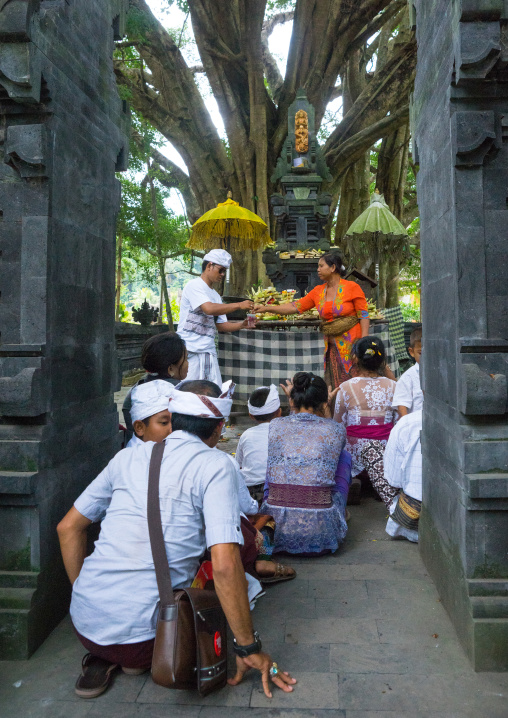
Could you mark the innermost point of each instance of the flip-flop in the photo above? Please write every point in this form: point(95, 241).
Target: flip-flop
point(281, 574)
point(96, 674)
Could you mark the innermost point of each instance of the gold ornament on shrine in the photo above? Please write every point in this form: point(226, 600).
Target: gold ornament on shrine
point(301, 132)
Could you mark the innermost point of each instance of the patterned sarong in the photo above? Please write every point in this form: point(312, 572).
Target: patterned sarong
point(407, 512)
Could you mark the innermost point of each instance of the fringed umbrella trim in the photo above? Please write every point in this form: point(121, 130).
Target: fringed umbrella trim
point(238, 233)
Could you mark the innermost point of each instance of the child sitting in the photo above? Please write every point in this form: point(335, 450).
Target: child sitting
point(403, 469)
point(164, 358)
point(252, 451)
point(149, 412)
point(408, 395)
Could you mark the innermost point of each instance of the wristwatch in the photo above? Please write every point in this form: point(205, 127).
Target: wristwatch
point(244, 651)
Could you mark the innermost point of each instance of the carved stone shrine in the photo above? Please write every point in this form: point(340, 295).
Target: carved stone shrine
point(62, 136)
point(300, 208)
point(460, 118)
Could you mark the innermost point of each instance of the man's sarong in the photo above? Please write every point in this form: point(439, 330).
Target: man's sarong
point(407, 512)
point(204, 365)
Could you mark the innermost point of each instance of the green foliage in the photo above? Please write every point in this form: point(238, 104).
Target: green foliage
point(273, 6)
point(410, 312)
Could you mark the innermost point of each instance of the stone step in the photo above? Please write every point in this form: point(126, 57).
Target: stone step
point(19, 455)
point(17, 482)
point(487, 586)
point(18, 579)
point(17, 598)
point(489, 606)
point(14, 633)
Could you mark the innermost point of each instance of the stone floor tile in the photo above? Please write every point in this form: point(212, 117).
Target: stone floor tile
point(390, 571)
point(44, 708)
point(288, 606)
point(381, 552)
point(416, 632)
point(331, 630)
point(271, 627)
point(279, 592)
point(310, 658)
point(393, 589)
point(439, 693)
point(270, 713)
point(347, 590)
point(141, 710)
point(404, 714)
point(314, 690)
point(349, 608)
point(233, 696)
point(331, 571)
point(445, 657)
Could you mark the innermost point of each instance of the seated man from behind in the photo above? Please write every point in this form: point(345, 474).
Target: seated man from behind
point(408, 395)
point(403, 469)
point(252, 451)
point(115, 596)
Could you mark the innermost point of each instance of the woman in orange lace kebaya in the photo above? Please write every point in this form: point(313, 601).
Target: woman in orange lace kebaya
point(343, 310)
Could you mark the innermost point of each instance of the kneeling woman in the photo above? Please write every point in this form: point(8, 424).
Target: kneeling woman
point(304, 491)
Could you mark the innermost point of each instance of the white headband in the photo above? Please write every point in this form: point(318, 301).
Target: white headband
point(149, 398)
point(271, 404)
point(219, 256)
point(208, 407)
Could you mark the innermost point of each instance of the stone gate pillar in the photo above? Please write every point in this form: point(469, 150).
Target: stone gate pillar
point(460, 116)
point(62, 136)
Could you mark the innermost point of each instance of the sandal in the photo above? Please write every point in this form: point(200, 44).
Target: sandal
point(96, 674)
point(282, 573)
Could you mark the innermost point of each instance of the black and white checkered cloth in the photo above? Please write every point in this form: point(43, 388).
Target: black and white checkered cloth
point(394, 317)
point(253, 357)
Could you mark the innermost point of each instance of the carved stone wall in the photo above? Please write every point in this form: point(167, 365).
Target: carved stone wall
point(460, 116)
point(62, 136)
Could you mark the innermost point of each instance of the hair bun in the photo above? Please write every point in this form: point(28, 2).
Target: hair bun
point(302, 380)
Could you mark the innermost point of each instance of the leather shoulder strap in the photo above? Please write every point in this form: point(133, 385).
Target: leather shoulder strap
point(160, 558)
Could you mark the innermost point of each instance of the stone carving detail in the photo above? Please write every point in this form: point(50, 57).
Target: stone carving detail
point(24, 394)
point(474, 134)
point(20, 66)
point(25, 150)
point(479, 49)
point(483, 393)
point(301, 132)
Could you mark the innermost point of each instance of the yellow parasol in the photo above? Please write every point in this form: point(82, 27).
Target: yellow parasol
point(229, 226)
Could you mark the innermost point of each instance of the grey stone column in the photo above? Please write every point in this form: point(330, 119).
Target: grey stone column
point(460, 116)
point(62, 136)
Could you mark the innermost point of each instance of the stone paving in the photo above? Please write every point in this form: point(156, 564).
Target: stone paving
point(363, 631)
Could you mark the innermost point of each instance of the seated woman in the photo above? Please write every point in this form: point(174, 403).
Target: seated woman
point(302, 492)
point(363, 409)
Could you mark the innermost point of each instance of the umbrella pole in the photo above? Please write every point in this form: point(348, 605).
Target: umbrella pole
point(377, 269)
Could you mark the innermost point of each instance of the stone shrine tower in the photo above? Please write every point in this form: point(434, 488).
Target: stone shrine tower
point(301, 209)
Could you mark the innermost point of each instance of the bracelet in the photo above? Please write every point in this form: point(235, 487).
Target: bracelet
point(244, 651)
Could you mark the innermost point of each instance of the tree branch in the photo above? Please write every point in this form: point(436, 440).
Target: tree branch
point(352, 149)
point(273, 75)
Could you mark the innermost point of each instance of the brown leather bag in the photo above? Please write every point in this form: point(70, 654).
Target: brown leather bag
point(190, 648)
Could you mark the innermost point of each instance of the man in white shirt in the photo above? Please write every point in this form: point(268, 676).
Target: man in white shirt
point(252, 450)
point(408, 395)
point(115, 596)
point(200, 307)
point(403, 470)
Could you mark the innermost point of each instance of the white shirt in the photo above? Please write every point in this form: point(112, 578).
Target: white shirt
point(248, 505)
point(408, 392)
point(403, 455)
point(252, 453)
point(196, 328)
point(114, 599)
